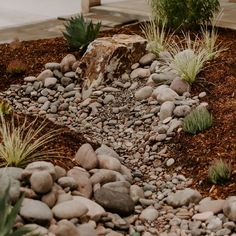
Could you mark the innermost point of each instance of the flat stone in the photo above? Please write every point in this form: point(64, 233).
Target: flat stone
point(69, 209)
point(108, 162)
point(35, 211)
point(147, 59)
point(203, 216)
point(113, 201)
point(119, 186)
point(215, 206)
point(143, 93)
point(149, 214)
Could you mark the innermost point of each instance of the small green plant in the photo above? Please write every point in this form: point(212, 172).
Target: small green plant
point(24, 143)
point(184, 13)
point(80, 33)
point(197, 120)
point(5, 108)
point(219, 172)
point(16, 67)
point(188, 57)
point(157, 36)
point(8, 214)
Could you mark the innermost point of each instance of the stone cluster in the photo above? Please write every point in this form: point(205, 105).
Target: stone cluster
point(135, 114)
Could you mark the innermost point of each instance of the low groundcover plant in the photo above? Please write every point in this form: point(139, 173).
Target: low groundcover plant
point(219, 172)
point(197, 120)
point(24, 143)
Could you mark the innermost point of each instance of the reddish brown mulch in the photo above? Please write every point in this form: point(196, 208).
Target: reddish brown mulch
point(193, 153)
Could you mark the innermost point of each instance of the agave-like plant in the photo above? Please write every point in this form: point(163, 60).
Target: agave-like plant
point(219, 172)
point(24, 143)
point(197, 120)
point(8, 214)
point(80, 32)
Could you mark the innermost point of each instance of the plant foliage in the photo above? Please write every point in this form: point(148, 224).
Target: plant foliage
point(24, 143)
point(8, 216)
point(219, 172)
point(197, 120)
point(184, 13)
point(5, 108)
point(16, 67)
point(79, 32)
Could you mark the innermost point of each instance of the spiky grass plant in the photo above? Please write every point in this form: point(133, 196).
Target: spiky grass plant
point(210, 37)
point(80, 32)
point(24, 143)
point(8, 214)
point(197, 120)
point(157, 36)
point(5, 108)
point(219, 172)
point(188, 57)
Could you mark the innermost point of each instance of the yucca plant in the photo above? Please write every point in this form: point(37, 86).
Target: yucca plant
point(80, 32)
point(197, 120)
point(24, 143)
point(188, 57)
point(219, 172)
point(8, 214)
point(158, 37)
point(5, 108)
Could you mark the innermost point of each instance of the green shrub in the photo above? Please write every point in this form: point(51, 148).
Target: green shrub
point(16, 67)
point(24, 143)
point(197, 120)
point(219, 172)
point(80, 33)
point(5, 108)
point(184, 13)
point(8, 216)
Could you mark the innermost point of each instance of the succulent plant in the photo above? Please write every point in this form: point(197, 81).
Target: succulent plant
point(5, 108)
point(16, 67)
point(79, 32)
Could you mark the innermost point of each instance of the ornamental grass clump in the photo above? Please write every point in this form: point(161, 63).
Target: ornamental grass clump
point(219, 172)
point(158, 38)
point(188, 57)
point(8, 214)
point(80, 32)
point(24, 143)
point(197, 120)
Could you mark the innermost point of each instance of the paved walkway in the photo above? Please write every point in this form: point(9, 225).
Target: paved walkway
point(26, 21)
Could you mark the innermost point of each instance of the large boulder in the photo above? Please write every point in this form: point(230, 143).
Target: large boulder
point(105, 57)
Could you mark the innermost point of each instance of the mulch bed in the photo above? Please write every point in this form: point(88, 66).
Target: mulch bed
point(193, 153)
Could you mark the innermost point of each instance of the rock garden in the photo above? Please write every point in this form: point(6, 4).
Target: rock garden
point(117, 138)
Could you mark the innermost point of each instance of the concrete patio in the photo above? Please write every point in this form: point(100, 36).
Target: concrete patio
point(111, 13)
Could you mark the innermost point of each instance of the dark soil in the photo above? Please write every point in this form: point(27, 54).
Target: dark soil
point(193, 153)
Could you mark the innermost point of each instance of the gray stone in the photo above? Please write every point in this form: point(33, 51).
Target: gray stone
point(223, 232)
point(35, 211)
point(44, 74)
point(67, 182)
point(45, 106)
point(13, 172)
point(69, 87)
point(41, 181)
point(30, 79)
point(136, 193)
point(180, 86)
point(182, 111)
point(170, 162)
point(214, 224)
point(69, 209)
point(86, 157)
point(108, 162)
point(163, 93)
point(119, 186)
point(143, 93)
point(108, 99)
point(52, 66)
point(104, 149)
point(144, 73)
point(67, 63)
point(184, 197)
point(113, 201)
point(42, 99)
point(204, 216)
point(67, 228)
point(36, 230)
point(147, 59)
point(164, 77)
point(39, 166)
point(149, 214)
point(229, 208)
point(81, 177)
point(166, 110)
point(95, 211)
point(50, 82)
point(215, 206)
point(66, 81)
point(86, 230)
